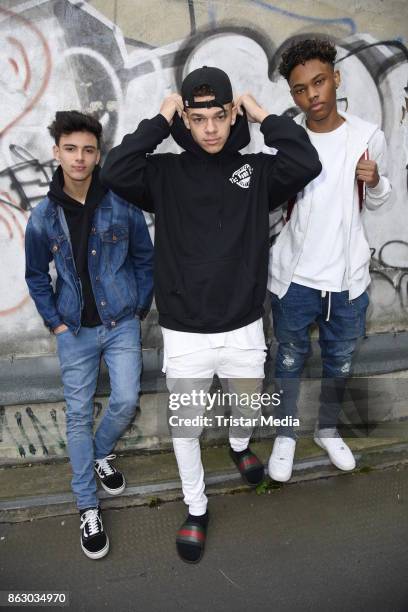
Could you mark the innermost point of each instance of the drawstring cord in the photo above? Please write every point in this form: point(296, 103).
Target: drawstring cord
point(329, 304)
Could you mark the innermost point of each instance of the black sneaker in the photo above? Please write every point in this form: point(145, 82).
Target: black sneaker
point(111, 479)
point(94, 541)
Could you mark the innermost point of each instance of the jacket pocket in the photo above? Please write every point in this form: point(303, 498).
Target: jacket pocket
point(115, 243)
point(131, 289)
point(66, 300)
point(61, 252)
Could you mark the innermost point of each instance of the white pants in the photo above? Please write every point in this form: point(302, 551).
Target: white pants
point(242, 371)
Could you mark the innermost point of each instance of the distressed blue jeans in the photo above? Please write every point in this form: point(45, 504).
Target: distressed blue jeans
point(80, 360)
point(293, 316)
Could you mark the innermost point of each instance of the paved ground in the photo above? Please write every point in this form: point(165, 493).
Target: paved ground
point(333, 544)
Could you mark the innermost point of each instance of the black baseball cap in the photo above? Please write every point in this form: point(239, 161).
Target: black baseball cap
point(215, 78)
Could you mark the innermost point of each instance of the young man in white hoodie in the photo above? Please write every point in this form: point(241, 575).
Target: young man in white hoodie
point(319, 264)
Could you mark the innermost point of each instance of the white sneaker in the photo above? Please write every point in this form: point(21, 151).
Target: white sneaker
point(339, 453)
point(281, 460)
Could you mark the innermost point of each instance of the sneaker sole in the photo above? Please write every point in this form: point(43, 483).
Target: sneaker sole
point(336, 464)
point(96, 555)
point(280, 479)
point(114, 491)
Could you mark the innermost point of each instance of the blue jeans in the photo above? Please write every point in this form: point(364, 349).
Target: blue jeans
point(80, 360)
point(293, 315)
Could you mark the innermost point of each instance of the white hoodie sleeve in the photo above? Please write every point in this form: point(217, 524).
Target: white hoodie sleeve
point(377, 151)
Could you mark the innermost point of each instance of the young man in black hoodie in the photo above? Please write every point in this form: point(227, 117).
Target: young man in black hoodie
point(103, 258)
point(211, 255)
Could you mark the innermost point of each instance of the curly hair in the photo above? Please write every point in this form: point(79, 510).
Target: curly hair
point(66, 122)
point(301, 51)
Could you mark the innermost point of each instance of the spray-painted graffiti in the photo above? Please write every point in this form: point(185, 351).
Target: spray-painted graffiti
point(64, 54)
point(32, 433)
point(28, 73)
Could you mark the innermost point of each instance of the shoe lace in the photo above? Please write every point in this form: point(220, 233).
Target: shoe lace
point(103, 466)
point(284, 443)
point(335, 438)
point(91, 519)
point(283, 448)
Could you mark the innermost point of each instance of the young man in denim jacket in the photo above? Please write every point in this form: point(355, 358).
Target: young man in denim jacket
point(103, 258)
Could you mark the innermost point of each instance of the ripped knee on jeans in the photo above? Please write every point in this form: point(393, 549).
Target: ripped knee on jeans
point(292, 355)
point(288, 361)
point(346, 367)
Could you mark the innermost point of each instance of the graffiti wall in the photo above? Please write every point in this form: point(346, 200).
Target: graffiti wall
point(38, 432)
point(118, 59)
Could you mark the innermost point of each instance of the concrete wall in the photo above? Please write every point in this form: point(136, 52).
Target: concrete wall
point(119, 58)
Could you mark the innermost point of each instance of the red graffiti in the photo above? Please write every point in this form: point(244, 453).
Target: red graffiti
point(20, 236)
point(23, 53)
point(8, 226)
point(13, 64)
point(19, 46)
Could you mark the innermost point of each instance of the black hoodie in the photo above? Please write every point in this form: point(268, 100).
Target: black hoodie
point(79, 220)
point(211, 225)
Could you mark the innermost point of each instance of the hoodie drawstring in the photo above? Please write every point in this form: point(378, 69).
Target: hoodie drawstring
point(329, 304)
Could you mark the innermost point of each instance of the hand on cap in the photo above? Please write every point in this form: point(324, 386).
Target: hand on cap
point(367, 171)
point(170, 105)
point(255, 113)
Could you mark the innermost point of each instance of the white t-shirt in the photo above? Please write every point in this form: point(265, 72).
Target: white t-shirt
point(322, 263)
point(178, 343)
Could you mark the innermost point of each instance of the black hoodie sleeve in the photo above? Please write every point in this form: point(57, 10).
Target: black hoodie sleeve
point(296, 162)
point(128, 169)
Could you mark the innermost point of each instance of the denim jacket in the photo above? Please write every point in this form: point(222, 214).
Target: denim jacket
point(120, 262)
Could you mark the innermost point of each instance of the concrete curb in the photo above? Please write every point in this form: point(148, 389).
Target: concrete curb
point(218, 482)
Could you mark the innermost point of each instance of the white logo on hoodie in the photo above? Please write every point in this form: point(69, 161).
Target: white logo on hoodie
point(242, 176)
